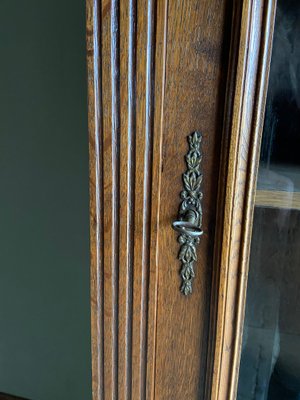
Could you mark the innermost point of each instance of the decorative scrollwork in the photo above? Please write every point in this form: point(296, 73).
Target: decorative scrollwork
point(190, 213)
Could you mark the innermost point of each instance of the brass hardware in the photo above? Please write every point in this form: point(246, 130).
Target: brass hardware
point(190, 213)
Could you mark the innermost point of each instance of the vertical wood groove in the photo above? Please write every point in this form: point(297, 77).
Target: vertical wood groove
point(115, 117)
point(120, 311)
point(99, 199)
point(96, 195)
point(131, 186)
point(161, 28)
point(148, 157)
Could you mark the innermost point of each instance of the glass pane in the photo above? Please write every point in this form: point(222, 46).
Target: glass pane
point(44, 201)
point(270, 363)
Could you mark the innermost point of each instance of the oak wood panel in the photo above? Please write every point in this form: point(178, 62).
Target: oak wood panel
point(247, 86)
point(196, 52)
point(155, 74)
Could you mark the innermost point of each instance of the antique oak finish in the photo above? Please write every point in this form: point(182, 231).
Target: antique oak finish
point(156, 74)
point(251, 46)
point(159, 70)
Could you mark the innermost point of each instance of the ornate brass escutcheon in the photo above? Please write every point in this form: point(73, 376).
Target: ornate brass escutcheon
point(190, 213)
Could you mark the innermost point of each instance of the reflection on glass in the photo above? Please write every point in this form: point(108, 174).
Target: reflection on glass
point(270, 363)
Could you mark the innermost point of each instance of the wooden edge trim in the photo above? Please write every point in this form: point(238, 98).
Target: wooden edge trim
point(93, 40)
point(250, 55)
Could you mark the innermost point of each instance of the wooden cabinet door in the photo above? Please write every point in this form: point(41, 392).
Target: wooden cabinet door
point(157, 72)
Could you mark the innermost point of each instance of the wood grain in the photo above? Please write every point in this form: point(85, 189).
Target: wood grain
point(247, 87)
point(93, 40)
point(196, 65)
point(125, 177)
point(156, 73)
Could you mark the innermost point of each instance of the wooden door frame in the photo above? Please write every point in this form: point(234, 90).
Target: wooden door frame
point(250, 55)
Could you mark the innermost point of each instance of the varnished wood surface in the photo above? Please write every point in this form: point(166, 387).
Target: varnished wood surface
point(196, 66)
point(156, 73)
point(247, 87)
